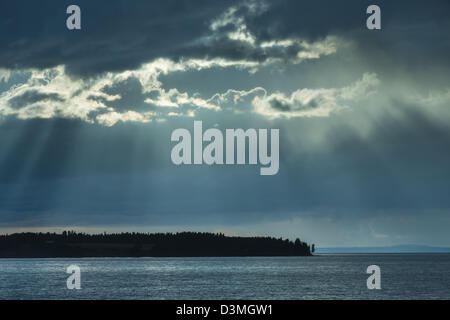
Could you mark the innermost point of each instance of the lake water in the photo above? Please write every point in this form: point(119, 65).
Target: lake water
point(403, 276)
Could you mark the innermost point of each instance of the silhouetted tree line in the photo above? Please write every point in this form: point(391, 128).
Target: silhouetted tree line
point(183, 244)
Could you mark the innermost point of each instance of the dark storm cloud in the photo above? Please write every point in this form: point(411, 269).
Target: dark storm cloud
point(119, 35)
point(316, 19)
point(115, 35)
point(32, 96)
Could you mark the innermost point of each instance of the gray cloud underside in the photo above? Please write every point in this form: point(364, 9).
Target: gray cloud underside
point(32, 96)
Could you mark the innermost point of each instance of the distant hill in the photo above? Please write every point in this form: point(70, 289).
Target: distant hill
point(184, 244)
point(410, 248)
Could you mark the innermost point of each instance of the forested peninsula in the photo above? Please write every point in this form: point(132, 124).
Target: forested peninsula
point(70, 244)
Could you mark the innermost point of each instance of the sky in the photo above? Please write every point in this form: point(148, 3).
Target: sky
point(86, 118)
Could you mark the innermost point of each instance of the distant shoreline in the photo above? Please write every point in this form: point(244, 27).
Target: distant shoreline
point(397, 249)
point(318, 254)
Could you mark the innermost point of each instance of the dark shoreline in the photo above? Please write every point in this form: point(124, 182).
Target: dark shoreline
point(140, 245)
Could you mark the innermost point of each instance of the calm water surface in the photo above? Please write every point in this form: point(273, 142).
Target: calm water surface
point(403, 276)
